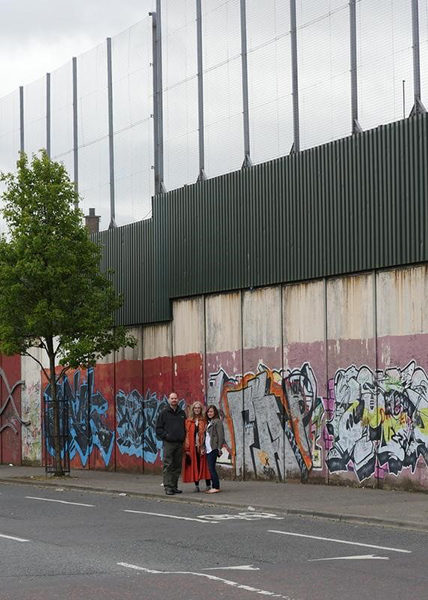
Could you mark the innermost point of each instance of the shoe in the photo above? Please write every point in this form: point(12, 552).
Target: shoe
point(207, 488)
point(196, 490)
point(175, 490)
point(212, 491)
point(169, 492)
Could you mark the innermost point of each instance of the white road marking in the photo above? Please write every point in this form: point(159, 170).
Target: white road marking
point(315, 537)
point(361, 557)
point(238, 568)
point(242, 516)
point(212, 577)
point(11, 537)
point(143, 512)
point(59, 501)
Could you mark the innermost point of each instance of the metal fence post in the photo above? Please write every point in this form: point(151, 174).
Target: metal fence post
point(246, 110)
point(157, 100)
point(75, 130)
point(48, 114)
point(112, 224)
point(295, 76)
point(418, 107)
point(201, 124)
point(21, 119)
point(355, 125)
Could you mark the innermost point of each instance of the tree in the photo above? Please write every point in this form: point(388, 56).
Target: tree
point(53, 294)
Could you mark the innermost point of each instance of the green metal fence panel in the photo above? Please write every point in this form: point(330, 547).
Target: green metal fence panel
point(353, 205)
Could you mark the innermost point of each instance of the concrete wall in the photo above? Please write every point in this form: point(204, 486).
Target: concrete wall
point(320, 381)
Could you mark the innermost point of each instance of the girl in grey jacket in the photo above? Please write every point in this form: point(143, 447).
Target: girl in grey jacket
point(214, 441)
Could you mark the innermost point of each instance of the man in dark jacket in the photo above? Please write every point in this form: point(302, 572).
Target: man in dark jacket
point(170, 429)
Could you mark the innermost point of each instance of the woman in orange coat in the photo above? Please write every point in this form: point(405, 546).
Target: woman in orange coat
point(195, 466)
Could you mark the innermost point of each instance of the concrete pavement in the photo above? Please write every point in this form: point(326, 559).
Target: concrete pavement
point(407, 510)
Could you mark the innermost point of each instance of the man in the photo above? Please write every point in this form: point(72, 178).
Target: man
point(170, 429)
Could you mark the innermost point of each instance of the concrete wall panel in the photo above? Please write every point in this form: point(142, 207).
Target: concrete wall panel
point(304, 377)
point(223, 366)
point(188, 347)
point(261, 433)
point(352, 398)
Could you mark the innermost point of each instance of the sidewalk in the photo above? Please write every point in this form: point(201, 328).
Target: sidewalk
point(355, 505)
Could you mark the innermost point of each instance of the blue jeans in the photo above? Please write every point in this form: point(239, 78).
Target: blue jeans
point(211, 458)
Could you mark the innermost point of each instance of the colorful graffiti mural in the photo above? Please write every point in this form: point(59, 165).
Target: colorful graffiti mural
point(14, 418)
point(87, 417)
point(88, 428)
point(263, 411)
point(136, 418)
point(276, 424)
point(379, 423)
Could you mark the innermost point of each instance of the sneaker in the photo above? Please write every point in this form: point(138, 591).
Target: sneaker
point(175, 490)
point(169, 492)
point(212, 491)
point(207, 488)
point(196, 490)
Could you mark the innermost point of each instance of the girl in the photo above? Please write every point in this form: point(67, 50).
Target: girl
point(214, 441)
point(195, 465)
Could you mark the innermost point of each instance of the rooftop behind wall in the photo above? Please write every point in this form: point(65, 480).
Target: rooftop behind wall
point(352, 205)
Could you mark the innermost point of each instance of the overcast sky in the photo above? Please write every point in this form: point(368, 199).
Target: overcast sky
point(38, 36)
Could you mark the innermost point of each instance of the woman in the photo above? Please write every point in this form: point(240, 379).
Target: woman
point(214, 441)
point(195, 465)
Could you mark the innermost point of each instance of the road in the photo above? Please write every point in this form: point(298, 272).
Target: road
point(57, 544)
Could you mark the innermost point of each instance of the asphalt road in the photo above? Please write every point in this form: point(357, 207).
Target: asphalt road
point(59, 544)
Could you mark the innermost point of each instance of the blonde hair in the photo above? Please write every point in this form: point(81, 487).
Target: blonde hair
point(192, 410)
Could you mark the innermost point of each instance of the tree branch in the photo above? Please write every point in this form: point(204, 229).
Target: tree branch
point(37, 361)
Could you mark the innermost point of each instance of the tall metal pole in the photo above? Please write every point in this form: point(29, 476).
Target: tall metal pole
point(110, 135)
point(201, 124)
point(21, 119)
point(160, 89)
point(418, 106)
point(48, 114)
point(246, 110)
point(355, 125)
point(295, 76)
point(157, 100)
point(75, 129)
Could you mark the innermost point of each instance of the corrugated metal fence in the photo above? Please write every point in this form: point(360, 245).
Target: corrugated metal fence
point(352, 205)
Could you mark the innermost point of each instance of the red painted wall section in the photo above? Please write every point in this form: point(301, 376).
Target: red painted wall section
point(188, 378)
point(10, 410)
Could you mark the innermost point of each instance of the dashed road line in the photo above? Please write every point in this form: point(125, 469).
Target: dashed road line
point(143, 512)
point(59, 501)
point(324, 539)
point(12, 537)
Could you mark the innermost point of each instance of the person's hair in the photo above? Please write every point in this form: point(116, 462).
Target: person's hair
point(216, 414)
point(170, 394)
point(192, 410)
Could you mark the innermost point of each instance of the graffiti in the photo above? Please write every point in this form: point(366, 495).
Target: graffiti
point(136, 418)
point(262, 411)
point(10, 402)
point(31, 434)
point(87, 418)
point(379, 422)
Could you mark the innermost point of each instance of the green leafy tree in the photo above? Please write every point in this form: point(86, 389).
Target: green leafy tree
point(53, 294)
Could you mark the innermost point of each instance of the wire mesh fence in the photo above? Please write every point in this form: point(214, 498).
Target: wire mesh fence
point(199, 86)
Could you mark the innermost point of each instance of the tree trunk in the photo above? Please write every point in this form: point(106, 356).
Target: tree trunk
point(56, 421)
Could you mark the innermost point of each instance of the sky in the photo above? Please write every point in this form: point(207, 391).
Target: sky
point(40, 36)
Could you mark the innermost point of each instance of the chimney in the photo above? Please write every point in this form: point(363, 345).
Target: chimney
point(92, 222)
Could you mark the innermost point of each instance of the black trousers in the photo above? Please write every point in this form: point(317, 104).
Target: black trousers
point(172, 461)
